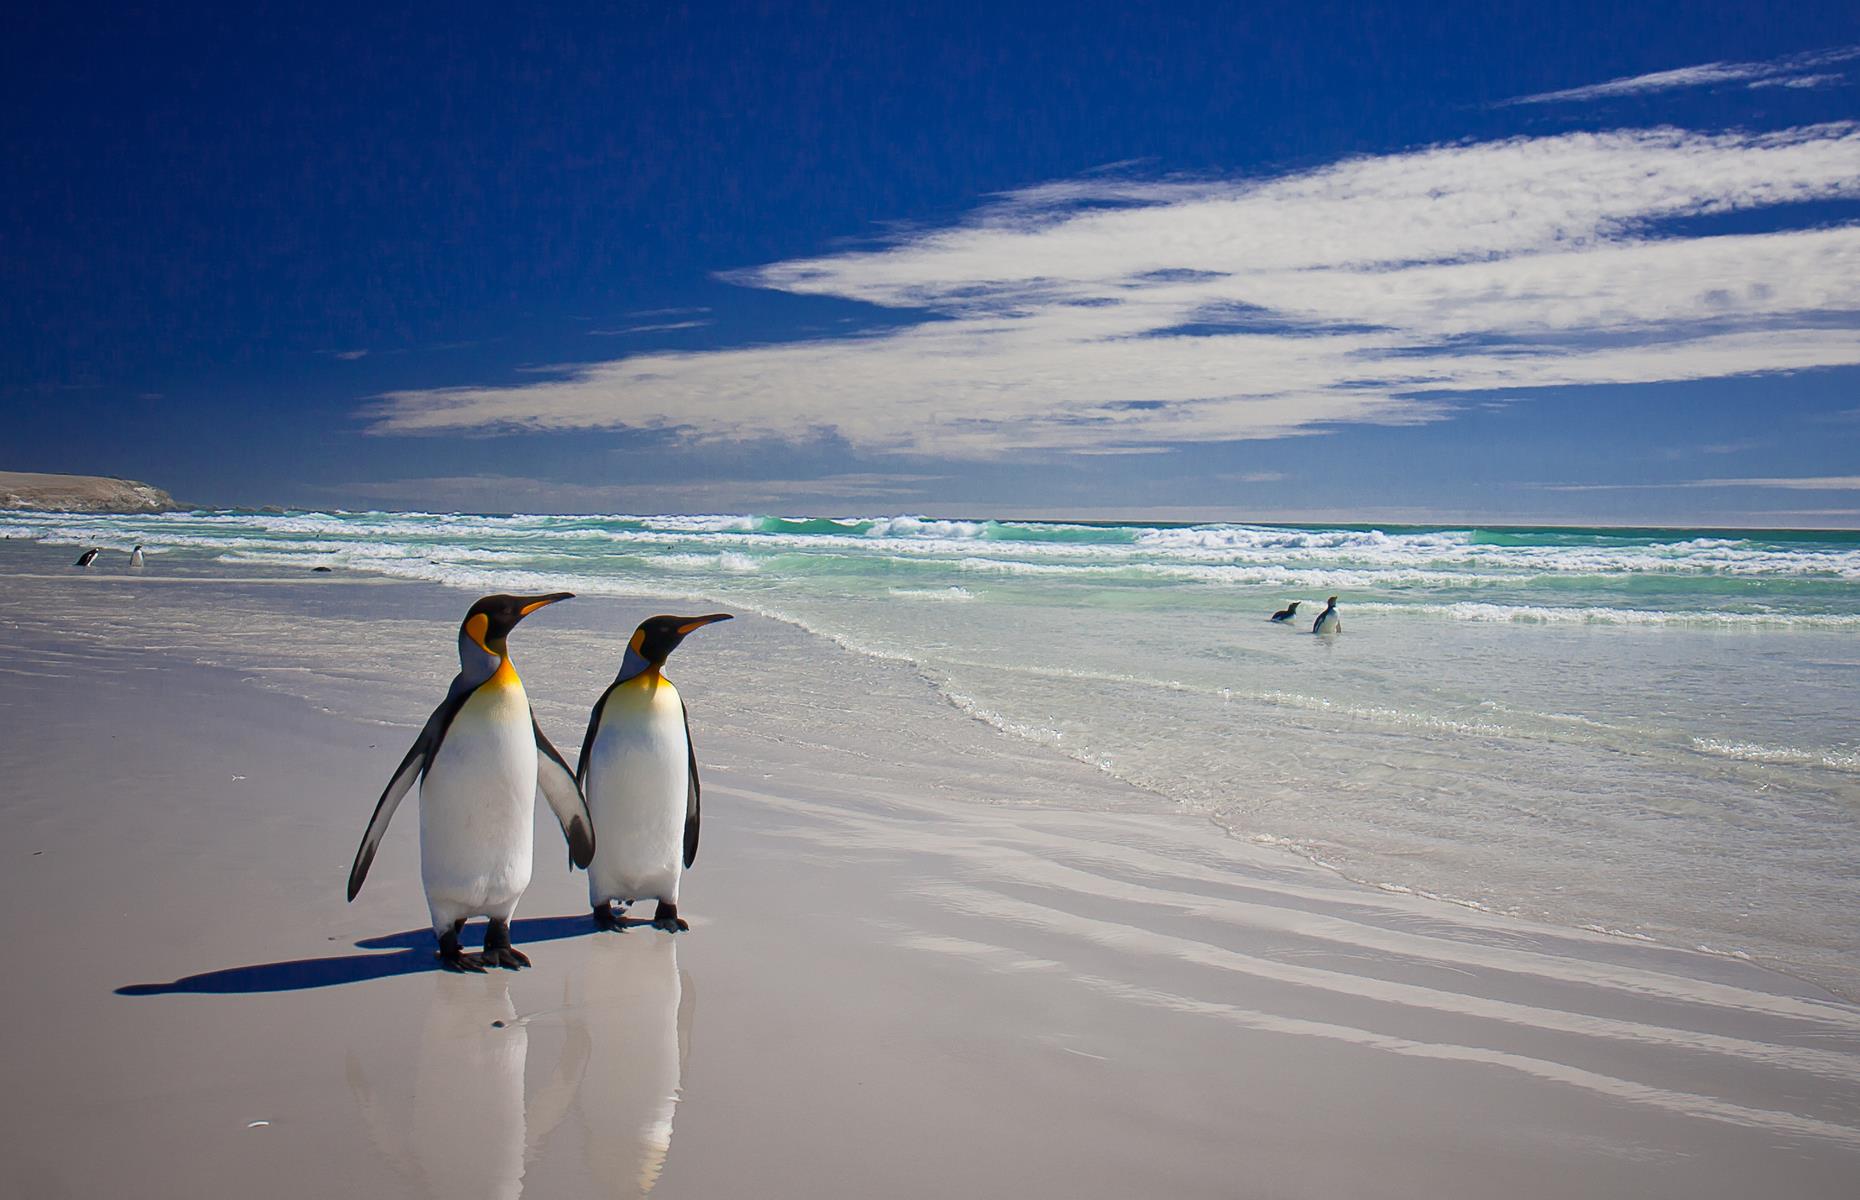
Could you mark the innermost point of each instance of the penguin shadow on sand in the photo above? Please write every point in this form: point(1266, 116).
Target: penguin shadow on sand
point(413, 955)
point(480, 1113)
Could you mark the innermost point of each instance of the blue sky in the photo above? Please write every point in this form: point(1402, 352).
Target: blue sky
point(1436, 262)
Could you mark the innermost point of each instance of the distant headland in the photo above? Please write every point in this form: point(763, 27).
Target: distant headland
point(80, 493)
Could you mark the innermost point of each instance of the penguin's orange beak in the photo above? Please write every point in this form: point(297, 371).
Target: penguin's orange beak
point(700, 622)
point(537, 602)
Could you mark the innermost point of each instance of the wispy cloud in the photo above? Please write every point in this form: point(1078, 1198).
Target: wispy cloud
point(1796, 483)
point(346, 355)
point(1848, 513)
point(1799, 81)
point(1791, 71)
point(1109, 313)
point(511, 493)
point(660, 327)
point(1676, 453)
point(1806, 483)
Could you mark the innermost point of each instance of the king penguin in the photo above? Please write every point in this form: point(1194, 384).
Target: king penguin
point(639, 773)
point(480, 760)
point(135, 559)
point(1287, 613)
point(86, 558)
point(1328, 621)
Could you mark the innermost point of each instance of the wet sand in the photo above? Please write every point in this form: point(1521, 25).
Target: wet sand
point(924, 960)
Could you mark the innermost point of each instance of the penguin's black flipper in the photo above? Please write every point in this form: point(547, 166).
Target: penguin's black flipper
point(410, 769)
point(587, 739)
point(564, 795)
point(691, 795)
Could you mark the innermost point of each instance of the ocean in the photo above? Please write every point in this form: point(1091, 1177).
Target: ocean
point(1647, 732)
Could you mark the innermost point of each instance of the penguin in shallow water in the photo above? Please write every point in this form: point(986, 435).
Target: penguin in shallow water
point(135, 559)
point(1328, 621)
point(1287, 613)
point(86, 558)
point(640, 776)
point(480, 760)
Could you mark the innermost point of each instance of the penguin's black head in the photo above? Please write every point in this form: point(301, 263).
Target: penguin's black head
point(1293, 606)
point(1332, 602)
point(657, 637)
point(492, 618)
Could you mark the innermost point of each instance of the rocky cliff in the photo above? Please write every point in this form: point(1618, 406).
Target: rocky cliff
point(80, 493)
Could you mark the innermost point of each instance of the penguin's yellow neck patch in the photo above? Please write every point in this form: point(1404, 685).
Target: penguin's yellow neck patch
point(476, 626)
point(647, 691)
point(504, 676)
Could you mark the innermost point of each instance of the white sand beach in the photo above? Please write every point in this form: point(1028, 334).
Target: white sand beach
point(925, 959)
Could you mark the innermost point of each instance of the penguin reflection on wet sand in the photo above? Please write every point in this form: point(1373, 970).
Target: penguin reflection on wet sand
point(466, 1109)
point(1285, 614)
point(1328, 621)
point(638, 1033)
point(480, 760)
point(639, 773)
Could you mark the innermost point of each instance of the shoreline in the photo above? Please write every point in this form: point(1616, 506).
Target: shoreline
point(980, 725)
point(912, 973)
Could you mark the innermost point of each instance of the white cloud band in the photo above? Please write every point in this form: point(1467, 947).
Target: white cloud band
point(1110, 314)
point(1790, 71)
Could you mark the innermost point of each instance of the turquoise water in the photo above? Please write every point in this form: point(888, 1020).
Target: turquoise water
point(1649, 732)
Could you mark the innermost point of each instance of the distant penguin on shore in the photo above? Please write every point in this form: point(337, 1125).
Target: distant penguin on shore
point(135, 559)
point(639, 773)
point(1287, 613)
point(1328, 621)
point(480, 760)
point(86, 559)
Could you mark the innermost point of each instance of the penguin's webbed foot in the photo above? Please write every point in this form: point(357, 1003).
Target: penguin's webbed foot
point(607, 919)
point(498, 952)
point(667, 918)
point(453, 958)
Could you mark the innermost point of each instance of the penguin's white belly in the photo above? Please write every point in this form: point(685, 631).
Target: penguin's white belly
point(477, 807)
point(636, 791)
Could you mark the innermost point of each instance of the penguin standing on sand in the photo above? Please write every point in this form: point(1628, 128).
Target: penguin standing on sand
point(1285, 614)
point(639, 773)
point(135, 559)
point(480, 760)
point(1328, 621)
point(86, 558)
